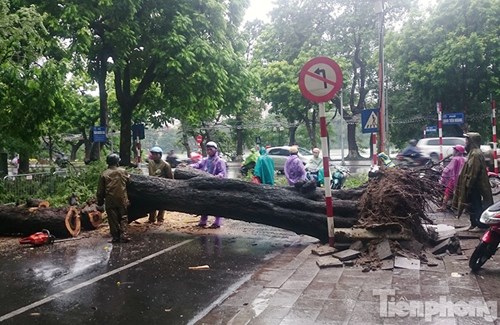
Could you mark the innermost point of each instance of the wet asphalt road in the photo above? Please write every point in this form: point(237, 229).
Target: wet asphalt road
point(145, 281)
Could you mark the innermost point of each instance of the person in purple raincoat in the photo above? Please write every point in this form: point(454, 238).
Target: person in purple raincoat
point(294, 167)
point(449, 177)
point(214, 165)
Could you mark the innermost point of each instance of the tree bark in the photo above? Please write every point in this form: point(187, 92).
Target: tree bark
point(282, 207)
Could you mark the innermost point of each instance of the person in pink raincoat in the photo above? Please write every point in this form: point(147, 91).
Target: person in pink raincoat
point(449, 177)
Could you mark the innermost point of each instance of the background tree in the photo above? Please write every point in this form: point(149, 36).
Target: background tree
point(449, 55)
point(32, 83)
point(343, 30)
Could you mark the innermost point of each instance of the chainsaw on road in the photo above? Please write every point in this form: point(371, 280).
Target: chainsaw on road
point(41, 238)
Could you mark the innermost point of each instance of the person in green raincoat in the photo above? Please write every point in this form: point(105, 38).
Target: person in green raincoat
point(473, 189)
point(264, 168)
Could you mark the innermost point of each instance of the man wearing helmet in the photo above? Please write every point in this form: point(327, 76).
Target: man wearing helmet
point(112, 190)
point(214, 165)
point(158, 167)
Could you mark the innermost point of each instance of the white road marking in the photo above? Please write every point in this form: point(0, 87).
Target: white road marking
point(89, 282)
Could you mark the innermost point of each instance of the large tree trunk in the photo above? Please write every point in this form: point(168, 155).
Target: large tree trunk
point(283, 207)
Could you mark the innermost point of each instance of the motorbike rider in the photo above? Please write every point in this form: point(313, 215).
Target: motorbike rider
point(314, 165)
point(412, 154)
point(249, 162)
point(411, 150)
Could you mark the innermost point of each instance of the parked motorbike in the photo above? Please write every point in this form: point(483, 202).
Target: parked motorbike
point(494, 179)
point(173, 161)
point(339, 175)
point(314, 176)
point(490, 239)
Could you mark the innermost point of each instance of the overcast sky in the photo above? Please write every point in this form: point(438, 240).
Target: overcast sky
point(260, 9)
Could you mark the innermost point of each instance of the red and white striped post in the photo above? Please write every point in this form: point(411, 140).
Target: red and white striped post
point(374, 149)
point(326, 169)
point(494, 130)
point(319, 80)
point(440, 129)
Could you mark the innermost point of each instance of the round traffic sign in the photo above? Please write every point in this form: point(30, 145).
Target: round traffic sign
point(320, 79)
point(199, 138)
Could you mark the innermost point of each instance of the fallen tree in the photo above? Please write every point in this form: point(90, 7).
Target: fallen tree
point(390, 206)
point(197, 193)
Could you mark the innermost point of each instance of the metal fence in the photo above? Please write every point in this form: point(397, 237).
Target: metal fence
point(36, 184)
point(29, 185)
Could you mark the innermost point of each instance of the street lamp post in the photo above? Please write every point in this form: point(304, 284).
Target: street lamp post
point(379, 9)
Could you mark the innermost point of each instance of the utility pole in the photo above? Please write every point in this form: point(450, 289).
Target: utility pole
point(379, 9)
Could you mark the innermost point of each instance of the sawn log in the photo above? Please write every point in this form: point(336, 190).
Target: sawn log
point(60, 222)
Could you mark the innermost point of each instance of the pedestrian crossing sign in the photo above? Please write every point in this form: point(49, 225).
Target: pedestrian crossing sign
point(369, 120)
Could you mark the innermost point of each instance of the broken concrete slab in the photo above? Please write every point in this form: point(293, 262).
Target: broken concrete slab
point(387, 264)
point(469, 235)
point(441, 247)
point(412, 245)
point(440, 231)
point(328, 261)
point(406, 263)
point(347, 254)
point(357, 245)
point(383, 250)
point(431, 261)
point(323, 250)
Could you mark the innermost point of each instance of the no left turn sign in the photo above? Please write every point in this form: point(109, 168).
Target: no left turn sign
point(320, 79)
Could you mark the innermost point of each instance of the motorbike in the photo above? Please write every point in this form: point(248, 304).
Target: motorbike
point(173, 161)
point(244, 169)
point(339, 175)
point(494, 179)
point(490, 239)
point(315, 176)
point(412, 162)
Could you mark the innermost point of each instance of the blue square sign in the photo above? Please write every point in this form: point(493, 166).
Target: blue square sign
point(369, 120)
point(99, 134)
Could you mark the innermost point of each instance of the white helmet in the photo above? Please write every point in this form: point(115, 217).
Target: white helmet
point(156, 150)
point(212, 144)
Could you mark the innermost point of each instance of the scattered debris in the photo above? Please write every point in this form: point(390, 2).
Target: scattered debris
point(200, 267)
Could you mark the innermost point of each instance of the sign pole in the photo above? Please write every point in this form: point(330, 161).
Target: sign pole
point(342, 127)
point(326, 169)
point(494, 130)
point(440, 129)
point(374, 149)
point(319, 80)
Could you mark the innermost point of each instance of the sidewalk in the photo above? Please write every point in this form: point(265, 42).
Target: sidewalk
point(292, 289)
